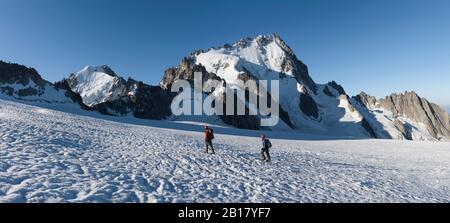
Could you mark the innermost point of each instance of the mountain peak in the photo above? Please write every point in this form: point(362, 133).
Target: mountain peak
point(266, 57)
point(95, 84)
point(262, 41)
point(99, 68)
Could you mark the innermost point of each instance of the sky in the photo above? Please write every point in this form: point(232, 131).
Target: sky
point(376, 46)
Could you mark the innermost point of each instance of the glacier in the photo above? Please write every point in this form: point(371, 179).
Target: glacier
point(50, 153)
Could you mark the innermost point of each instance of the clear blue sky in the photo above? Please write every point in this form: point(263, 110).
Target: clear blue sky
point(379, 46)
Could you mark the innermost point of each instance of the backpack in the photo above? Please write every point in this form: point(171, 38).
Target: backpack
point(269, 144)
point(211, 136)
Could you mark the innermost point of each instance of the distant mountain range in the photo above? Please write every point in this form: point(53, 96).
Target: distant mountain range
point(305, 105)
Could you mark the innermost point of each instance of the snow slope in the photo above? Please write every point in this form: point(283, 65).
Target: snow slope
point(53, 156)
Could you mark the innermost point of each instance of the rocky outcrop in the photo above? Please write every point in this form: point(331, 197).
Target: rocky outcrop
point(148, 102)
point(366, 125)
point(246, 76)
point(26, 81)
point(404, 130)
point(326, 91)
point(410, 105)
point(337, 87)
point(21, 82)
point(366, 100)
point(308, 106)
point(185, 71)
point(292, 63)
point(407, 112)
point(12, 73)
point(106, 69)
point(240, 121)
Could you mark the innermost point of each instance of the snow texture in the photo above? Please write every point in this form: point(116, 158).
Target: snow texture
point(54, 156)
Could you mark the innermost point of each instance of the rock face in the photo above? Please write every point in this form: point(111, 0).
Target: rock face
point(186, 70)
point(308, 106)
point(407, 116)
point(420, 110)
point(366, 100)
point(25, 83)
point(290, 63)
point(16, 79)
point(12, 73)
point(149, 102)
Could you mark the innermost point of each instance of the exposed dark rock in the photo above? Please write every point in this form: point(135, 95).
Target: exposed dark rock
point(27, 92)
point(308, 106)
point(148, 102)
point(7, 90)
point(336, 86)
point(404, 129)
point(366, 100)
point(12, 73)
point(152, 102)
point(185, 71)
point(328, 92)
point(246, 76)
point(366, 125)
point(347, 98)
point(240, 121)
point(108, 70)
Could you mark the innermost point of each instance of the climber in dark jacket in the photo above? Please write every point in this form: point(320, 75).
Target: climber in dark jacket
point(209, 136)
point(266, 144)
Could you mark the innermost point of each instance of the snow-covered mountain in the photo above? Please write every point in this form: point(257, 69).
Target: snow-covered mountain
point(103, 90)
point(310, 107)
point(97, 84)
point(305, 106)
point(266, 57)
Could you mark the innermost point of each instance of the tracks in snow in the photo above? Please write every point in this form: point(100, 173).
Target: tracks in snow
point(51, 156)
